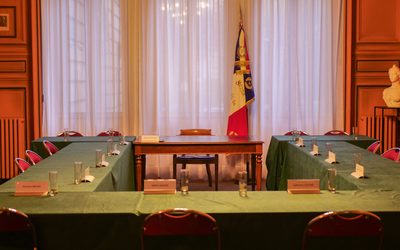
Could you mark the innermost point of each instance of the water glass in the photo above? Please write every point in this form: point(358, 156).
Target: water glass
point(111, 134)
point(184, 181)
point(243, 183)
point(66, 134)
point(355, 133)
point(356, 160)
point(332, 180)
point(109, 147)
point(313, 142)
point(98, 155)
point(328, 149)
point(77, 172)
point(121, 140)
point(294, 134)
point(53, 183)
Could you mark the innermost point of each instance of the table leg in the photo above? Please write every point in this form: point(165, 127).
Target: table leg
point(253, 171)
point(138, 165)
point(259, 171)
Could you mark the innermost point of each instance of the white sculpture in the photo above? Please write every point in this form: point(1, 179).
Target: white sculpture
point(391, 95)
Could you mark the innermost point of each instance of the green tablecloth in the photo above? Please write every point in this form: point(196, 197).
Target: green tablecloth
point(37, 145)
point(270, 220)
point(277, 152)
point(118, 176)
point(383, 174)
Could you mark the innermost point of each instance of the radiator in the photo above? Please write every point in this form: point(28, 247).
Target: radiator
point(386, 134)
point(12, 145)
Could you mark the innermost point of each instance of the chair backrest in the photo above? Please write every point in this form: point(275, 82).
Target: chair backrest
point(195, 132)
point(16, 230)
point(349, 226)
point(70, 133)
point(181, 222)
point(105, 133)
point(22, 164)
point(33, 157)
point(50, 147)
point(336, 132)
point(301, 133)
point(374, 147)
point(392, 154)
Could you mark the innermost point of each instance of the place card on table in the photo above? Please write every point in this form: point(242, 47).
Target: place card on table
point(332, 158)
point(31, 188)
point(300, 186)
point(103, 161)
point(300, 143)
point(359, 172)
point(315, 151)
point(150, 138)
point(159, 186)
point(88, 177)
point(115, 151)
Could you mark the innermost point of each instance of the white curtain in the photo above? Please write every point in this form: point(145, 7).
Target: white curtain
point(84, 66)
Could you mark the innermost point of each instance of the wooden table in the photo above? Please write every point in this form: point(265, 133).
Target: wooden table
point(201, 145)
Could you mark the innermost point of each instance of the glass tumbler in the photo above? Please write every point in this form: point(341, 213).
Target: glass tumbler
point(243, 183)
point(184, 181)
point(53, 183)
point(332, 177)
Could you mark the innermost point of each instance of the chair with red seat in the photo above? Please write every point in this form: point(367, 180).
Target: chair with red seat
point(344, 230)
point(197, 159)
point(392, 154)
point(33, 157)
point(336, 132)
point(22, 164)
point(16, 230)
point(50, 147)
point(374, 147)
point(301, 133)
point(70, 133)
point(106, 133)
point(180, 228)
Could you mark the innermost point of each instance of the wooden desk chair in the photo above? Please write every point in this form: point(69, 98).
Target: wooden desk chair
point(180, 228)
point(392, 154)
point(336, 132)
point(197, 159)
point(301, 133)
point(374, 147)
point(70, 133)
point(344, 230)
point(33, 157)
point(16, 230)
point(50, 147)
point(22, 164)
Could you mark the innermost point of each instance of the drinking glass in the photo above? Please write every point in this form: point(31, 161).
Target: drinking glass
point(243, 183)
point(356, 160)
point(66, 134)
point(328, 149)
point(111, 134)
point(53, 183)
point(313, 142)
point(294, 133)
point(332, 176)
point(355, 133)
point(184, 181)
point(77, 172)
point(98, 155)
point(109, 147)
point(121, 140)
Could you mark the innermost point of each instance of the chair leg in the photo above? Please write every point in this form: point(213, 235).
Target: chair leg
point(216, 172)
point(209, 175)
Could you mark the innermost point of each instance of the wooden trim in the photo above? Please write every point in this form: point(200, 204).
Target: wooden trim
point(13, 66)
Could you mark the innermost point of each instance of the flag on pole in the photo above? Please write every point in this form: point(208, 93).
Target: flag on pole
point(242, 89)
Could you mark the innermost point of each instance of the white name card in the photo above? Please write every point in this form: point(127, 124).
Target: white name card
point(300, 143)
point(88, 177)
point(150, 138)
point(315, 151)
point(332, 158)
point(359, 172)
point(103, 161)
point(31, 188)
point(159, 186)
point(115, 151)
point(310, 186)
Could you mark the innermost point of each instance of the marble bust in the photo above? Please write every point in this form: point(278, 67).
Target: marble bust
point(391, 95)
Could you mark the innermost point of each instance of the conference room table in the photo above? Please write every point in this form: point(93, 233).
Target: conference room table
point(201, 145)
point(37, 145)
point(277, 152)
point(118, 176)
